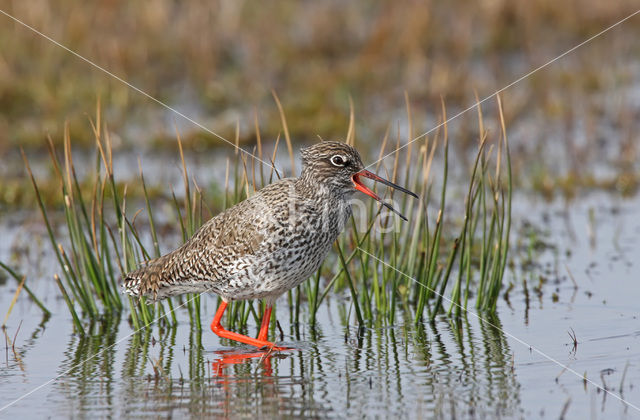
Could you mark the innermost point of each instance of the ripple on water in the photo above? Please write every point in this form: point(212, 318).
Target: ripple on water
point(444, 368)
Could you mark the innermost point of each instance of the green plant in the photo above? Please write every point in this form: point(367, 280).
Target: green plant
point(386, 267)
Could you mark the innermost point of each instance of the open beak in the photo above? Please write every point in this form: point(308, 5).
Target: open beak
point(361, 187)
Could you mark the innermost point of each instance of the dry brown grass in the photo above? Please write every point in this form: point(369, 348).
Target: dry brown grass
point(223, 58)
point(219, 61)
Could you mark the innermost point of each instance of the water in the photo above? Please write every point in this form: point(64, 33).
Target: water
point(480, 367)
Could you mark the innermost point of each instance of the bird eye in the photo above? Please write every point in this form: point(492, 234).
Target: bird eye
point(338, 160)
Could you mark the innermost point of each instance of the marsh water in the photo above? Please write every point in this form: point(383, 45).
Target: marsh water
point(574, 271)
point(564, 340)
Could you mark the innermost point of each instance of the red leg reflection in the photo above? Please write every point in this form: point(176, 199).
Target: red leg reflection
point(238, 358)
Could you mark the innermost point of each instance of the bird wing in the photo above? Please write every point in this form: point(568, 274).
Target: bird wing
point(219, 248)
point(222, 249)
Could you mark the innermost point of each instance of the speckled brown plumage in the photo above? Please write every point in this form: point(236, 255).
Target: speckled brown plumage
point(265, 245)
point(268, 243)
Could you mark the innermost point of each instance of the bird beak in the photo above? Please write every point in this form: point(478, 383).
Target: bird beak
point(361, 187)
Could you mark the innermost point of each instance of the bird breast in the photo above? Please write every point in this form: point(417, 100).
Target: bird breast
point(297, 235)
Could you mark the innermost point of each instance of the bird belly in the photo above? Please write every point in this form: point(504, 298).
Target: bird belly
point(269, 276)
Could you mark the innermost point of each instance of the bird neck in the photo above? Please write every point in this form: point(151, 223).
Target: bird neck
point(308, 185)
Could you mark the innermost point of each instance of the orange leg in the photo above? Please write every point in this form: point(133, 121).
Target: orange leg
point(221, 332)
point(264, 327)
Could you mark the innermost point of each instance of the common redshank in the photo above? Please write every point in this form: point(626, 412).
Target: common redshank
point(267, 244)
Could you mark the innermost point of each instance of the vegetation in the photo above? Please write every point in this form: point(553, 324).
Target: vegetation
point(433, 263)
point(327, 47)
point(301, 51)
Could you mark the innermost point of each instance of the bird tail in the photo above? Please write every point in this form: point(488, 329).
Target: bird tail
point(146, 280)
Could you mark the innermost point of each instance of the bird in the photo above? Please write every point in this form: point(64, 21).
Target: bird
point(267, 244)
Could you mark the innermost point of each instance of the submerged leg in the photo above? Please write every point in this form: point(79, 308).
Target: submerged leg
point(264, 327)
point(221, 332)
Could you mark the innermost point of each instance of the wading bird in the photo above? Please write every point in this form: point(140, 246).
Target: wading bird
point(267, 244)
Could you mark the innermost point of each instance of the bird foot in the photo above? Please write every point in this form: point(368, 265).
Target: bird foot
point(260, 342)
point(273, 348)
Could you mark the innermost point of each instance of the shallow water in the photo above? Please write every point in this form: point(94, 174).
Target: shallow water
point(518, 364)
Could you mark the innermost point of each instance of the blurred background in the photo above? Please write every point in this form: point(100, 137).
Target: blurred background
point(573, 133)
point(575, 121)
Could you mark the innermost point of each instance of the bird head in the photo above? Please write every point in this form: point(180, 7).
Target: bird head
point(338, 167)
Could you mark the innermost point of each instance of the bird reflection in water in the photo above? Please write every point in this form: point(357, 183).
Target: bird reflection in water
point(228, 358)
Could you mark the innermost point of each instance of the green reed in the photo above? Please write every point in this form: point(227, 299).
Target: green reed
point(432, 264)
point(439, 259)
point(102, 241)
point(18, 278)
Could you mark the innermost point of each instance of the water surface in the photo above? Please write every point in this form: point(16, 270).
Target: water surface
point(478, 367)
